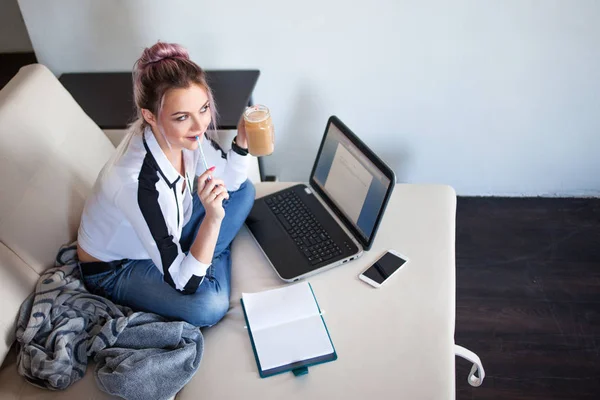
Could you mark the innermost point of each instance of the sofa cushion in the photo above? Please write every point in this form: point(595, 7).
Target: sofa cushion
point(17, 281)
point(408, 324)
point(50, 155)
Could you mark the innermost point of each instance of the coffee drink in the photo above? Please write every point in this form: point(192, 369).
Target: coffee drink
point(259, 130)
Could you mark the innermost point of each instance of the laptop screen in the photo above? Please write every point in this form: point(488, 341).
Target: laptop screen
point(351, 181)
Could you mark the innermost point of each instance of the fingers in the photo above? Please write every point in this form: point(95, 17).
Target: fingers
point(217, 191)
point(205, 178)
point(207, 173)
point(202, 179)
point(211, 189)
point(222, 196)
point(221, 190)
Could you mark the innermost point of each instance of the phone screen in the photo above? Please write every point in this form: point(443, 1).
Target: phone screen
point(384, 267)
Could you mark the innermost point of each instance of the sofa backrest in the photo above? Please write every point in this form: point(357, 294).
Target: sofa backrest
point(50, 155)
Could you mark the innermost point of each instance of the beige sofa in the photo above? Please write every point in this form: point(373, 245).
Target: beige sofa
point(396, 342)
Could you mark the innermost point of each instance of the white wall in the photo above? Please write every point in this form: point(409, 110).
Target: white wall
point(13, 34)
point(492, 97)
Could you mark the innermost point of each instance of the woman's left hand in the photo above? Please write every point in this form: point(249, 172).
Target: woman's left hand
point(242, 138)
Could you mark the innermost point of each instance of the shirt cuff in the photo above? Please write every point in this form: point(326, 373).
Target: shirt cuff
point(238, 161)
point(190, 266)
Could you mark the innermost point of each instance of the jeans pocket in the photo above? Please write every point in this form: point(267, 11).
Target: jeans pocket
point(99, 284)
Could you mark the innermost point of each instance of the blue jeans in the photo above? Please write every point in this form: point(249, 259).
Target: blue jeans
point(140, 285)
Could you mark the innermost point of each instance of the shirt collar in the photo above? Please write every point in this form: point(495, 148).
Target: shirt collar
point(188, 161)
point(166, 169)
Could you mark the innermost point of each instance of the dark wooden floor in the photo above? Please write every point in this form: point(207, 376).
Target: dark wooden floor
point(528, 297)
point(528, 291)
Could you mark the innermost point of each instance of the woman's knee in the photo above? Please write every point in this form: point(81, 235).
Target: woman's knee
point(244, 196)
point(208, 309)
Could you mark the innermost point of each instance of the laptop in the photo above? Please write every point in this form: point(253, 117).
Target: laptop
point(307, 229)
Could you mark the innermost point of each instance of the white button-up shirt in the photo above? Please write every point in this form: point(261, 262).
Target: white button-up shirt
point(139, 206)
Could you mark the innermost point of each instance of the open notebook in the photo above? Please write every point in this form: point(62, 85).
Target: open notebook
point(287, 330)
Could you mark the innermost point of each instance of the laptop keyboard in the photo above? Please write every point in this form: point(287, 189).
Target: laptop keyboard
point(308, 234)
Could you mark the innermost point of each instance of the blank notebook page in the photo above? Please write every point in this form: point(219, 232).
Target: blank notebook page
point(286, 325)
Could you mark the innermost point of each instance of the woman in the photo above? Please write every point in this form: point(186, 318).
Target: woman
point(148, 239)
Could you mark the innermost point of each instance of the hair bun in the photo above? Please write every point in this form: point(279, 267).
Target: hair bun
point(161, 51)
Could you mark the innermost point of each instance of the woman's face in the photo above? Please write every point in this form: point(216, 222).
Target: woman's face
point(185, 114)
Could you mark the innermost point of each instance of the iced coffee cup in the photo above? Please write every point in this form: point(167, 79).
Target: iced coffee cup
point(259, 130)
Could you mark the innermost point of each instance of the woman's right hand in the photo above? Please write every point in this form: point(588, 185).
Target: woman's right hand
point(212, 192)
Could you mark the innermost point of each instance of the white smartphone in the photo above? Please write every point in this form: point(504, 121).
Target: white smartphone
point(381, 271)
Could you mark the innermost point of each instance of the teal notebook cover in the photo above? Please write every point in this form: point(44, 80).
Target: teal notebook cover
point(299, 367)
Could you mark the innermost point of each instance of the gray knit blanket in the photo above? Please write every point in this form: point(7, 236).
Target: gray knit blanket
point(138, 355)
